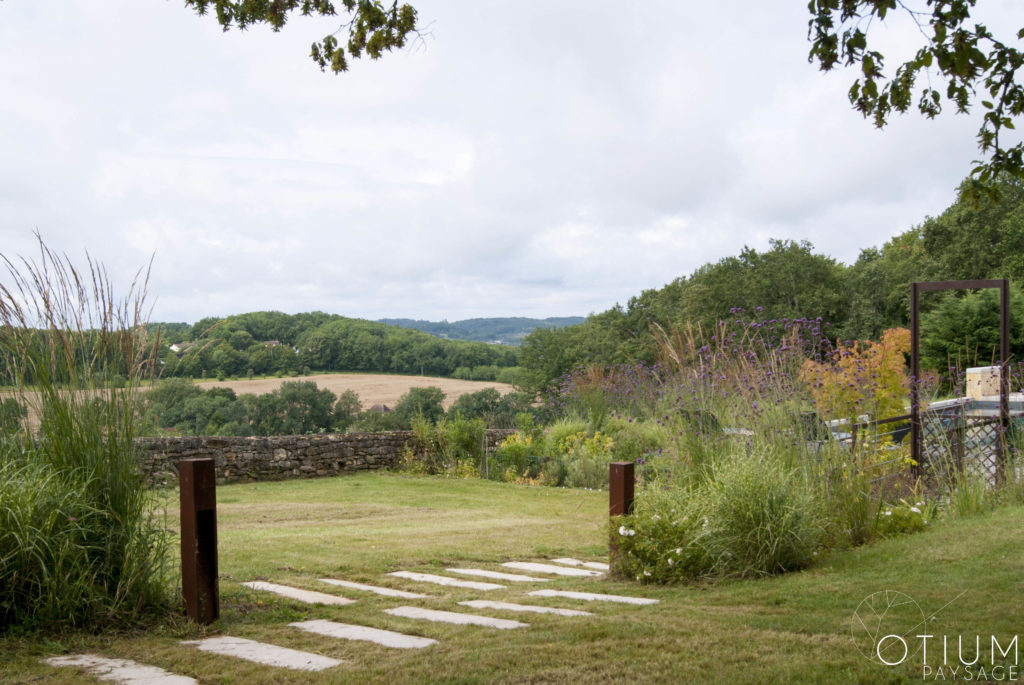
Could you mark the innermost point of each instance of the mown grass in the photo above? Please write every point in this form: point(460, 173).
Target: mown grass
point(785, 629)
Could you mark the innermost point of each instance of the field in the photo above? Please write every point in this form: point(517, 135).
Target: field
point(964, 573)
point(372, 388)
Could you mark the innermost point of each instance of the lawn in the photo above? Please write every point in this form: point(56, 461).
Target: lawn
point(967, 575)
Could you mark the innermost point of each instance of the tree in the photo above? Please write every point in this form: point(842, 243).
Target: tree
point(964, 331)
point(421, 402)
point(346, 410)
point(968, 58)
point(980, 239)
point(373, 27)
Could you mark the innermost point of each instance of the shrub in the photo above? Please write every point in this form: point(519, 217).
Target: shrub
point(586, 460)
point(662, 541)
point(449, 445)
point(761, 519)
point(12, 413)
point(903, 518)
point(750, 517)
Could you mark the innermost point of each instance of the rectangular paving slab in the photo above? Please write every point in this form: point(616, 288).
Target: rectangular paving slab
point(121, 670)
point(551, 568)
point(496, 575)
point(346, 631)
point(593, 597)
point(307, 596)
point(533, 608)
point(596, 565)
point(445, 580)
point(385, 591)
point(264, 653)
point(455, 617)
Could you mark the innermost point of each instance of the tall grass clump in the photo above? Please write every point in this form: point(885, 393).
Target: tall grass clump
point(80, 543)
point(751, 481)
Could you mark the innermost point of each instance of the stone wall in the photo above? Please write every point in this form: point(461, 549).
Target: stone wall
point(283, 456)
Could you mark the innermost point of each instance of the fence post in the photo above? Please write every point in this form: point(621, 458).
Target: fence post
point(198, 486)
point(620, 498)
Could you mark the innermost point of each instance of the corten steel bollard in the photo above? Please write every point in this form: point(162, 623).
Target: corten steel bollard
point(198, 483)
point(620, 498)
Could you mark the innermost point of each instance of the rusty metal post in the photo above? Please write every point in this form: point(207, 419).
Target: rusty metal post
point(915, 377)
point(620, 498)
point(198, 483)
point(620, 488)
point(1002, 442)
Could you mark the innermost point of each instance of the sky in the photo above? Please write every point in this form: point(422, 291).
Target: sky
point(518, 159)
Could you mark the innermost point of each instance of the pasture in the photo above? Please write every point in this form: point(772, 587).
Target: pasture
point(372, 388)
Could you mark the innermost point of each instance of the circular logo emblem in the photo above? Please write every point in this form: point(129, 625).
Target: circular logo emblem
point(884, 625)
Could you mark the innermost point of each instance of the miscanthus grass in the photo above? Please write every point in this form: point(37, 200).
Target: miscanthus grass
point(79, 540)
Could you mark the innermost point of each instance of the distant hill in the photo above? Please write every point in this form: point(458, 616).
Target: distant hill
point(507, 330)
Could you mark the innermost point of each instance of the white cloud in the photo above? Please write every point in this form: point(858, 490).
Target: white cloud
point(543, 160)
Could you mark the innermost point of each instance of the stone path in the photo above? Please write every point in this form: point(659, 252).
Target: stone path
point(307, 596)
point(596, 565)
point(534, 608)
point(120, 670)
point(385, 591)
point(455, 617)
point(497, 575)
point(593, 597)
point(550, 568)
point(445, 580)
point(265, 653)
point(132, 673)
point(347, 631)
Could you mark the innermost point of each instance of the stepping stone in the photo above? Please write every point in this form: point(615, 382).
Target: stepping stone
point(592, 597)
point(346, 631)
point(506, 606)
point(121, 670)
point(596, 565)
point(549, 568)
point(307, 596)
point(386, 591)
point(263, 653)
point(512, 577)
point(445, 580)
point(456, 618)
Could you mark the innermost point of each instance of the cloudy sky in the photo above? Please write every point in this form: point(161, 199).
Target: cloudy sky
point(522, 159)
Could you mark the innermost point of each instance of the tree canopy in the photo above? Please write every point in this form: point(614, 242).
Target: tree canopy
point(373, 26)
point(975, 64)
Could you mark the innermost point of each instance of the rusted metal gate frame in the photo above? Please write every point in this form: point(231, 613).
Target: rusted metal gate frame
point(916, 289)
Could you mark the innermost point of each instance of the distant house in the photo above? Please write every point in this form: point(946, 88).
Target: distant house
point(181, 348)
point(379, 408)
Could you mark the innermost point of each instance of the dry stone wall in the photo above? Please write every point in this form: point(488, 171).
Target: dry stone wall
point(283, 456)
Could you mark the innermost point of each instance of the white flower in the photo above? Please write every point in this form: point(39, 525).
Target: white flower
point(679, 551)
point(631, 532)
point(670, 561)
point(887, 512)
point(656, 517)
point(915, 510)
point(622, 530)
point(647, 574)
point(920, 504)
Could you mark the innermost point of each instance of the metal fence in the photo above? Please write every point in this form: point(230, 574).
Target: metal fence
point(954, 438)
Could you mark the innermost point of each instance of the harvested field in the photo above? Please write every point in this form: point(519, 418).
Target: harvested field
point(372, 388)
